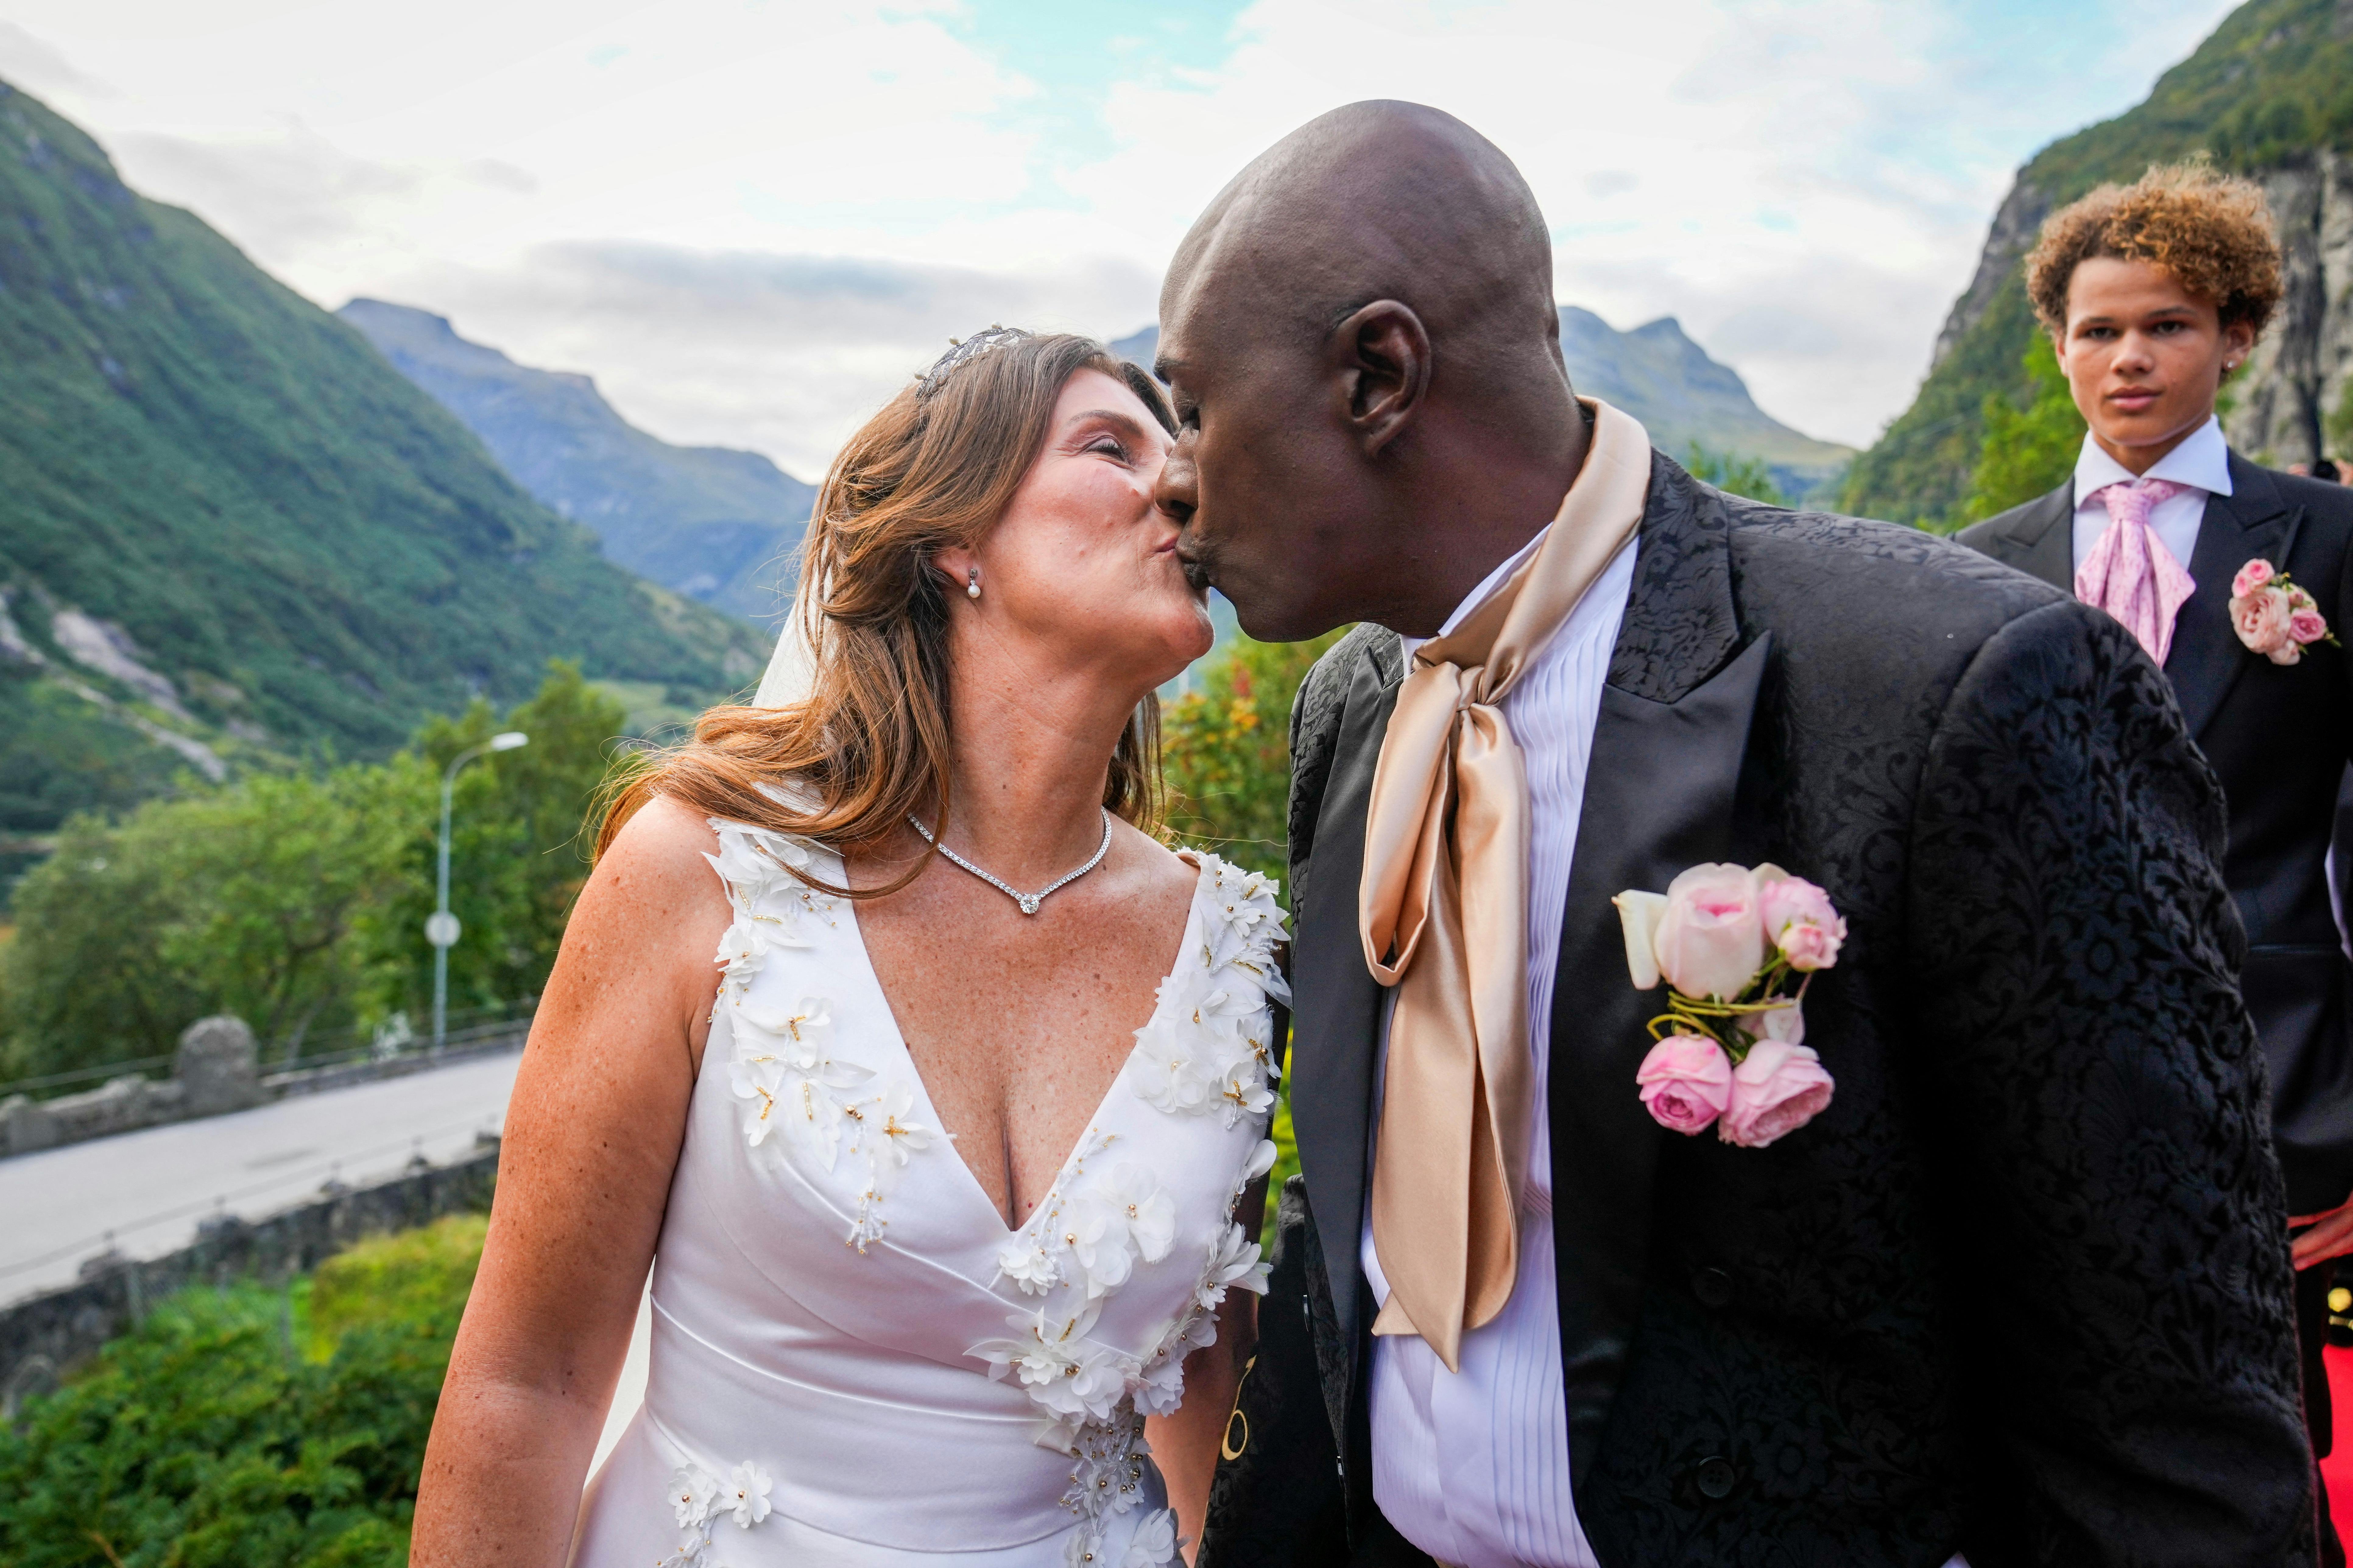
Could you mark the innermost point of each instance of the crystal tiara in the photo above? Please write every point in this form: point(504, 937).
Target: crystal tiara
point(963, 351)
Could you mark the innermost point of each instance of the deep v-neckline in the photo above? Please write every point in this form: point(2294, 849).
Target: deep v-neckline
point(1000, 1231)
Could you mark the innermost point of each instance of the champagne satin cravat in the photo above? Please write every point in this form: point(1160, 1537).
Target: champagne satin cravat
point(1443, 913)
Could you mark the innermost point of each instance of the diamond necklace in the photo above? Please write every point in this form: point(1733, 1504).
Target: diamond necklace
point(1027, 902)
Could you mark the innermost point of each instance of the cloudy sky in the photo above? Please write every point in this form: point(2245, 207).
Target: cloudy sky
point(750, 219)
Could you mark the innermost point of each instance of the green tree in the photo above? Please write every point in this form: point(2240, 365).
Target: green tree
point(518, 854)
point(2029, 448)
point(250, 899)
point(1730, 472)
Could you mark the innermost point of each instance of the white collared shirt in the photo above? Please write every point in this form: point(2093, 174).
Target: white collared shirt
point(1472, 1467)
point(2201, 464)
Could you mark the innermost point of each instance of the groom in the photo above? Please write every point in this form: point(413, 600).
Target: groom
point(2018, 1292)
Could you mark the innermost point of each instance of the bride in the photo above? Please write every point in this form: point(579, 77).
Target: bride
point(948, 1167)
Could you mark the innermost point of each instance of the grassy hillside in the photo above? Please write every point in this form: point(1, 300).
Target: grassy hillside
point(715, 524)
point(2273, 82)
point(226, 522)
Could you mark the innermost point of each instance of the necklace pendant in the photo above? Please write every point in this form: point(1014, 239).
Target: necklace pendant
point(1029, 903)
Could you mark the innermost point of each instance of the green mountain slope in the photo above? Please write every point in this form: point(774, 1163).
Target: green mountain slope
point(1657, 373)
point(715, 524)
point(227, 528)
point(2269, 94)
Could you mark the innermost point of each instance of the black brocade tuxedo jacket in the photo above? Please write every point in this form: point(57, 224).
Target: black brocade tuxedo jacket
point(2280, 738)
point(2022, 1290)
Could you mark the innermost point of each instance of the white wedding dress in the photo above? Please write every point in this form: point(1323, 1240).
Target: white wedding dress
point(854, 1362)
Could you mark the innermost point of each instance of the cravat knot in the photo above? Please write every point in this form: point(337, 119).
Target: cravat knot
point(2129, 572)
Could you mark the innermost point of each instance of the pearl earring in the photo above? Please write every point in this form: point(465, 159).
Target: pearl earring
point(972, 583)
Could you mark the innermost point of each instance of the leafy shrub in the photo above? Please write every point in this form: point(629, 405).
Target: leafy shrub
point(1226, 752)
point(225, 1432)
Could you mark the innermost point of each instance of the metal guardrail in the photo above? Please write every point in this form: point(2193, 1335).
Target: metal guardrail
point(504, 1023)
point(102, 1071)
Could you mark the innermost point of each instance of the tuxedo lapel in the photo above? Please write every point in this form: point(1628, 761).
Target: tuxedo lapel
point(1659, 797)
point(2040, 538)
point(1335, 1002)
point(2207, 656)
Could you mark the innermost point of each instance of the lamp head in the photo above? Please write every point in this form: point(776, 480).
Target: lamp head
point(509, 740)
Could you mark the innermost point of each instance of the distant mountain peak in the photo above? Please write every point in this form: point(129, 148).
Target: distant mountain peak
point(712, 522)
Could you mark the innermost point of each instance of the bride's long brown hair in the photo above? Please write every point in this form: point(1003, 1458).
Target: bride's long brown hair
point(869, 746)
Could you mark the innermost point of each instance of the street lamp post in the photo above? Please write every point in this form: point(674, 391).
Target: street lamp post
point(441, 927)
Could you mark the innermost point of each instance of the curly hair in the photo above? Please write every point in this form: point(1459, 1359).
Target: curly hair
point(2212, 232)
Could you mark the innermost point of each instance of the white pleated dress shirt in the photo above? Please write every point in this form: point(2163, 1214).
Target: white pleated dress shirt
point(2201, 463)
point(1472, 1467)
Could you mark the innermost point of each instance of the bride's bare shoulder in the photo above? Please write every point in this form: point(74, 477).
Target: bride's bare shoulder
point(658, 853)
point(1162, 868)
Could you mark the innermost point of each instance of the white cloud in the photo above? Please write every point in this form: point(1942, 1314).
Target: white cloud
point(750, 220)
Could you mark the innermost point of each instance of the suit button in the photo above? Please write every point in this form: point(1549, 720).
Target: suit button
point(1715, 1477)
point(1713, 1288)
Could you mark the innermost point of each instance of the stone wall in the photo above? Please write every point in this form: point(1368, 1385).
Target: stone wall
point(215, 1070)
point(43, 1336)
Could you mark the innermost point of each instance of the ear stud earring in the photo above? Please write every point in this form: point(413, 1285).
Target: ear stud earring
point(972, 583)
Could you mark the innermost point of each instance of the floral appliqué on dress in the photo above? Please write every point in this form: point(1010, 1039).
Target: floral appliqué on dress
point(785, 1073)
point(701, 1500)
point(1207, 1051)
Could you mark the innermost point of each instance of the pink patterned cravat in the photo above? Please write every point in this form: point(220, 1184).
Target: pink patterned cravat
point(2130, 573)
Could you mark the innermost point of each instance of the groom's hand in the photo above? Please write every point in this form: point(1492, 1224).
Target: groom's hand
point(2331, 1235)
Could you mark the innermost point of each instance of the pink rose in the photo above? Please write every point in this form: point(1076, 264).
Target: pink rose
point(2289, 652)
point(1776, 1090)
point(1685, 1080)
point(2307, 625)
point(2261, 619)
point(2255, 574)
point(1799, 919)
point(1709, 941)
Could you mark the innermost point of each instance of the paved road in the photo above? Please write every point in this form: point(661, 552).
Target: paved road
point(151, 1189)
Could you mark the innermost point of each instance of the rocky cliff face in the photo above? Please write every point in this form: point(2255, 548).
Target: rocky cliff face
point(2015, 224)
point(2300, 373)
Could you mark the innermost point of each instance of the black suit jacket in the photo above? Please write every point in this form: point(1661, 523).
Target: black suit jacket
point(2279, 737)
point(2023, 1288)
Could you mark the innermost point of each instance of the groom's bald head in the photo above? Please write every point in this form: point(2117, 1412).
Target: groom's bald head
point(1364, 309)
point(1377, 200)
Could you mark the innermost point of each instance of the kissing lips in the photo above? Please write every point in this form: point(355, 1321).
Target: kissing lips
point(1196, 571)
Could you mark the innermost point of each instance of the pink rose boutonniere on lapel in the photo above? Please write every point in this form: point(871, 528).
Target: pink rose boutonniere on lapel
point(2273, 617)
point(1737, 949)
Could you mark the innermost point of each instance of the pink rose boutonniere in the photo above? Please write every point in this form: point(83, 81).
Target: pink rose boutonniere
point(1737, 949)
point(2273, 617)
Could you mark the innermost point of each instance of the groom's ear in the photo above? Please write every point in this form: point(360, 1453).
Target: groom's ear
point(1382, 354)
